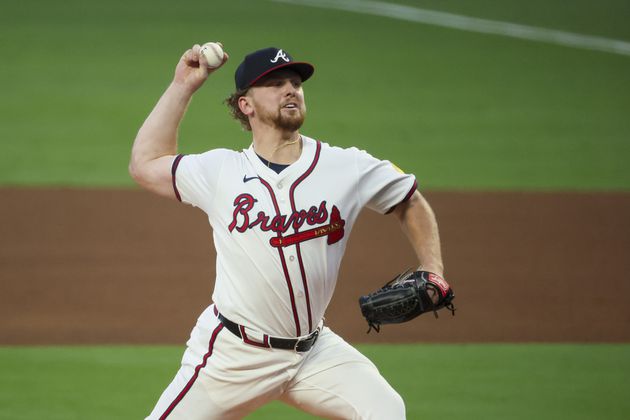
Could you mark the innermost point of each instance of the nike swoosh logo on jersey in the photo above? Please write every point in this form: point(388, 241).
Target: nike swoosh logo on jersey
point(245, 179)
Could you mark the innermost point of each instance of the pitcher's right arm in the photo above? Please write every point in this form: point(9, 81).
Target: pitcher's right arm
point(155, 146)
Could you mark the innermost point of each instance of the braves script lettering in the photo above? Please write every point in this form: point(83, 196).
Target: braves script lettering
point(243, 220)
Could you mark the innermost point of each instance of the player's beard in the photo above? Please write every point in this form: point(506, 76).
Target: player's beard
point(287, 121)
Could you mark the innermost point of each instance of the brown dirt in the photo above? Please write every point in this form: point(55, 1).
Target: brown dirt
point(122, 266)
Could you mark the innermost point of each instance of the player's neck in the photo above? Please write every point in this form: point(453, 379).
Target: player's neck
point(278, 147)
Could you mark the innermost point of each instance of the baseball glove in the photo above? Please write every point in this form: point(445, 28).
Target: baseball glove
point(405, 297)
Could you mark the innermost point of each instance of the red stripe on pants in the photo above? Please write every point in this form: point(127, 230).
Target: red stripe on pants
point(192, 380)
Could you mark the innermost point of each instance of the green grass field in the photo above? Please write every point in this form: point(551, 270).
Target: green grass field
point(461, 110)
point(494, 381)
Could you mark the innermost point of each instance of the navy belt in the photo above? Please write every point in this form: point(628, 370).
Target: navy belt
point(299, 344)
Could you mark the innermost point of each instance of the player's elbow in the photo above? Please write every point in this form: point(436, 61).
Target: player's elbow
point(140, 172)
point(135, 171)
point(153, 175)
point(139, 166)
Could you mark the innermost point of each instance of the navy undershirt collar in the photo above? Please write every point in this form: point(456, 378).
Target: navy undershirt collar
point(276, 167)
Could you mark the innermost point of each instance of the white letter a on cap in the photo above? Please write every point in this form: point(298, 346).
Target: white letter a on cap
point(280, 55)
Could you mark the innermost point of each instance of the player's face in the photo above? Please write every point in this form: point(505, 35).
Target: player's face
point(278, 100)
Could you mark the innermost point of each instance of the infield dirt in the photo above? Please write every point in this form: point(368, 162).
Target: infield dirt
point(122, 266)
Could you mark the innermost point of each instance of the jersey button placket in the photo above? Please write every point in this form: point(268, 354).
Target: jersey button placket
point(291, 254)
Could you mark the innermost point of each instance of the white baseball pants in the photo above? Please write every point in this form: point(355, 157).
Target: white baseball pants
point(221, 377)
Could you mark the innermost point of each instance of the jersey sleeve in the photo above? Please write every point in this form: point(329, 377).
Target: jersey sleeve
point(195, 177)
point(382, 185)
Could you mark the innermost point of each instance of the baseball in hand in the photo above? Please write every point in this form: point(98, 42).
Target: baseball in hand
point(213, 53)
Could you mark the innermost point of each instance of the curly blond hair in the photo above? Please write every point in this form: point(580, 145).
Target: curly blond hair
point(232, 104)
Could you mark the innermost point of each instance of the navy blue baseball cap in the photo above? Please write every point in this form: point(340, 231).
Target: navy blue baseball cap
point(262, 62)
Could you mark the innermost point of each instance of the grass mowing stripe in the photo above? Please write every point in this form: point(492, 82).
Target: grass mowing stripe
point(471, 24)
point(489, 381)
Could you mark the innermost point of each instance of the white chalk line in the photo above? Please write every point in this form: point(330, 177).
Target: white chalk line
point(471, 24)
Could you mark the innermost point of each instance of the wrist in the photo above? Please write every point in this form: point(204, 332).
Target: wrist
point(181, 89)
point(432, 268)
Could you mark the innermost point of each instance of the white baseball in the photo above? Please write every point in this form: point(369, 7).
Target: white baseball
point(213, 53)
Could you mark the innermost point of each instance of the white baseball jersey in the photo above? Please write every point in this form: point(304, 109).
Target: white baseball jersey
point(280, 237)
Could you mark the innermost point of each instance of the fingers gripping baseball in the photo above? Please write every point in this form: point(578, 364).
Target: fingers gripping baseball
point(193, 69)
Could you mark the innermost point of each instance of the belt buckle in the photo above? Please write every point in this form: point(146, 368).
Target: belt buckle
point(310, 339)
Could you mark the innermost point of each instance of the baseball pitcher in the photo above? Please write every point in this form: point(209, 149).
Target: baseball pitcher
point(281, 211)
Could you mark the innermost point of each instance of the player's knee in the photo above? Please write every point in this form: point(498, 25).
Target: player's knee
point(395, 406)
point(389, 405)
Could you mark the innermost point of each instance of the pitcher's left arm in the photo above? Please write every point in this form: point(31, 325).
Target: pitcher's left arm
point(419, 224)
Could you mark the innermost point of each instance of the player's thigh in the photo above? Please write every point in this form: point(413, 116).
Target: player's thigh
point(337, 381)
point(221, 377)
point(186, 396)
point(184, 400)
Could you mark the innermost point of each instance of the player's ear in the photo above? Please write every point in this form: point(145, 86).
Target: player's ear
point(245, 104)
